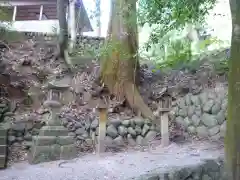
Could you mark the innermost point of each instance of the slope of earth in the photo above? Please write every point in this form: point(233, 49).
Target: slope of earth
point(127, 165)
point(24, 70)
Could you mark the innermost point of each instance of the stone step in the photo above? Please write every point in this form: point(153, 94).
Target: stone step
point(3, 140)
point(3, 132)
point(3, 161)
point(3, 149)
point(39, 154)
point(53, 131)
point(50, 140)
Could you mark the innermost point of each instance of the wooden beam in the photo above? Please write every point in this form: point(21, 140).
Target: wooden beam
point(41, 12)
point(14, 13)
point(25, 3)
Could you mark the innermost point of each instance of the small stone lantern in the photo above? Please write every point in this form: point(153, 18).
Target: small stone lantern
point(56, 89)
point(165, 106)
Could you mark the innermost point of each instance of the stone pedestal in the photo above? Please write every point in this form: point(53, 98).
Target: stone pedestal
point(52, 143)
point(3, 148)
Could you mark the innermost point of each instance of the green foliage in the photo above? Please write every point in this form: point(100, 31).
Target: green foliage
point(178, 53)
point(171, 15)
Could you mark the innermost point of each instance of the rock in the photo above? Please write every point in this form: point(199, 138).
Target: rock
point(108, 141)
point(181, 102)
point(187, 122)
point(202, 131)
point(212, 95)
point(132, 123)
point(180, 120)
point(19, 138)
point(139, 140)
point(126, 123)
point(220, 117)
point(216, 108)
point(191, 110)
point(112, 131)
point(11, 138)
point(139, 122)
point(207, 106)
point(145, 129)
point(183, 111)
point(223, 129)
point(206, 177)
point(115, 122)
point(122, 130)
point(195, 100)
point(191, 129)
point(198, 111)
point(188, 100)
point(132, 131)
point(214, 130)
point(77, 125)
point(27, 144)
point(80, 131)
point(224, 104)
point(138, 130)
point(151, 135)
point(119, 141)
point(28, 137)
point(64, 122)
point(215, 137)
point(209, 120)
point(195, 120)
point(148, 122)
point(94, 124)
point(18, 126)
point(203, 98)
point(130, 140)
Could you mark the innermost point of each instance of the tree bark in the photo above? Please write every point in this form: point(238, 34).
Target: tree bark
point(232, 139)
point(120, 65)
point(63, 32)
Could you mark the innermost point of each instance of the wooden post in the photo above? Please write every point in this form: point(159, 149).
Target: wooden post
point(14, 13)
point(40, 13)
point(72, 23)
point(165, 107)
point(164, 130)
point(102, 130)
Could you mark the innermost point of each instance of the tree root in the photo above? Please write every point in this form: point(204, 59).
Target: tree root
point(135, 100)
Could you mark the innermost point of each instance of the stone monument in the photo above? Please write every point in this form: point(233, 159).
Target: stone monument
point(53, 142)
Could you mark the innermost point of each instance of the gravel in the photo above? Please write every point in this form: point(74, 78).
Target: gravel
point(118, 166)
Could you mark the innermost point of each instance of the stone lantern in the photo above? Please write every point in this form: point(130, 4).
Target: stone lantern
point(54, 100)
point(165, 104)
point(53, 141)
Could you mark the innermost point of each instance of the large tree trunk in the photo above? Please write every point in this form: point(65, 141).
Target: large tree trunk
point(232, 139)
point(63, 32)
point(120, 63)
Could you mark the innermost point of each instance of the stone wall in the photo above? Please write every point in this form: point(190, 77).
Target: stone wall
point(203, 115)
point(133, 132)
point(84, 43)
point(207, 170)
point(136, 131)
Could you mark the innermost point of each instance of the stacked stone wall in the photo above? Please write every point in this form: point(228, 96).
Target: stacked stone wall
point(203, 115)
